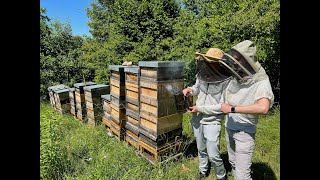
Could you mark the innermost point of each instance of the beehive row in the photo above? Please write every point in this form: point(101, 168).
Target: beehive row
point(138, 106)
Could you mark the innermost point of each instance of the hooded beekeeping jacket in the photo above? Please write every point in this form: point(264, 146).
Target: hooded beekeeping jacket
point(247, 92)
point(208, 101)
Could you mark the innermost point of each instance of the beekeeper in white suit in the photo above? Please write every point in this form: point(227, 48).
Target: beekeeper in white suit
point(212, 79)
point(246, 96)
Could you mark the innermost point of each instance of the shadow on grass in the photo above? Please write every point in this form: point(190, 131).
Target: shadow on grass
point(259, 171)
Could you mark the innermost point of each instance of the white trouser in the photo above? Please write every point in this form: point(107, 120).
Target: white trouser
point(208, 139)
point(240, 150)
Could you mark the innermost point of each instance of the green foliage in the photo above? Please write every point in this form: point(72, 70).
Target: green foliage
point(59, 54)
point(159, 30)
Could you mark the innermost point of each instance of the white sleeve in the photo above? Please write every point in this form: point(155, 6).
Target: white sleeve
point(195, 88)
point(264, 90)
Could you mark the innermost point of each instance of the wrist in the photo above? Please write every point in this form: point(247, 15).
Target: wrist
point(233, 109)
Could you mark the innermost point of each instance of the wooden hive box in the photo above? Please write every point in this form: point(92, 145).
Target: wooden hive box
point(157, 154)
point(117, 81)
point(132, 84)
point(80, 100)
point(117, 111)
point(159, 81)
point(93, 93)
point(62, 100)
point(94, 102)
point(161, 70)
point(51, 93)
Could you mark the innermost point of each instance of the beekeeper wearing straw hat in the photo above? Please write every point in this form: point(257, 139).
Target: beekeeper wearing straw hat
point(247, 95)
point(211, 80)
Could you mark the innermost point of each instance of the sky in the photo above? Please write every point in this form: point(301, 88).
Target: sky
point(71, 10)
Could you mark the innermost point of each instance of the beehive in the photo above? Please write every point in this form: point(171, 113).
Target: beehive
point(62, 101)
point(51, 94)
point(160, 126)
point(94, 102)
point(80, 100)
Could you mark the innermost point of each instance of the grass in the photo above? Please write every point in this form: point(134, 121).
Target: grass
point(72, 150)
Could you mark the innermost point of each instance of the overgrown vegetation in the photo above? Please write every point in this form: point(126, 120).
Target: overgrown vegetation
point(157, 30)
point(72, 150)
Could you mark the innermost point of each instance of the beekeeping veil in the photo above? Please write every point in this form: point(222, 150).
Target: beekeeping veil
point(242, 61)
point(209, 69)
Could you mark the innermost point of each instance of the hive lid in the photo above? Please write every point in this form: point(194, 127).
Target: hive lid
point(132, 69)
point(60, 86)
point(161, 63)
point(61, 90)
point(95, 87)
point(80, 85)
point(72, 89)
point(117, 67)
point(106, 97)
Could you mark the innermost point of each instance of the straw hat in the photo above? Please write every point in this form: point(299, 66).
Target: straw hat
point(213, 54)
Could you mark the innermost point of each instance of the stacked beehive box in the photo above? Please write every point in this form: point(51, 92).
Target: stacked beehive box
point(160, 123)
point(62, 101)
point(72, 98)
point(106, 111)
point(51, 94)
point(117, 100)
point(80, 101)
point(93, 102)
point(132, 105)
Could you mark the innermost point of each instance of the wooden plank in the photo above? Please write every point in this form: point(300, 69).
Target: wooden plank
point(149, 108)
point(117, 112)
point(132, 107)
point(149, 72)
point(115, 82)
point(80, 98)
point(134, 129)
point(158, 108)
point(131, 77)
point(149, 92)
point(106, 122)
point(132, 94)
point(131, 86)
point(148, 125)
point(163, 124)
point(161, 90)
point(115, 74)
point(133, 121)
point(133, 143)
point(115, 90)
point(134, 136)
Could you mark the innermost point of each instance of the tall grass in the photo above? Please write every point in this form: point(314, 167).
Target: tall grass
point(72, 150)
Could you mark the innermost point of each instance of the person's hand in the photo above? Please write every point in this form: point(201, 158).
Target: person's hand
point(186, 91)
point(225, 108)
point(193, 109)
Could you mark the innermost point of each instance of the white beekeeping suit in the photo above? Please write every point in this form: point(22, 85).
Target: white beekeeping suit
point(251, 84)
point(212, 79)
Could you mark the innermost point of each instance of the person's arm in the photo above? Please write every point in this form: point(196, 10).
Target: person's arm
point(260, 107)
point(194, 90)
